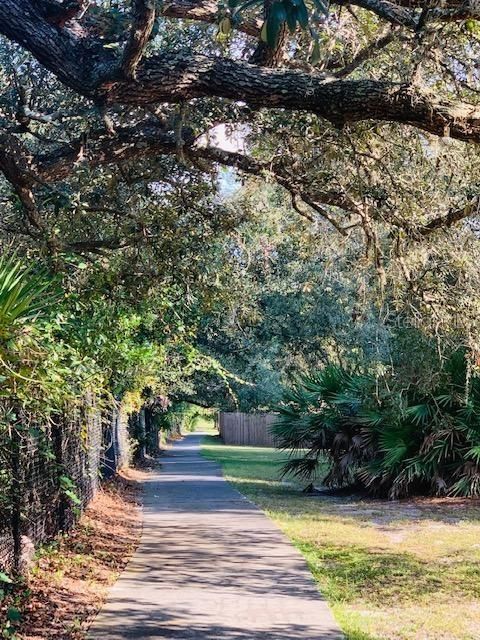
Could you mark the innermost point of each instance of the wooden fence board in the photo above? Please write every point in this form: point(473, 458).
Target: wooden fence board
point(247, 429)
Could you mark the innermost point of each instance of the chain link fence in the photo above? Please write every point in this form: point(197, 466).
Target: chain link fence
point(50, 472)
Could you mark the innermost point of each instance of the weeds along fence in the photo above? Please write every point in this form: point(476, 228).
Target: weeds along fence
point(248, 429)
point(49, 473)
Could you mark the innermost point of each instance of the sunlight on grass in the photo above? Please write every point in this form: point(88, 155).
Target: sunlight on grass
point(390, 570)
point(205, 424)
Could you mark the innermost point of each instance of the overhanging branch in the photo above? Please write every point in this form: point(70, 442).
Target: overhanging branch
point(17, 167)
point(150, 140)
point(174, 77)
point(180, 77)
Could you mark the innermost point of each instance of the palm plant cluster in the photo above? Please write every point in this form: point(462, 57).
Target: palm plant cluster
point(25, 293)
point(422, 443)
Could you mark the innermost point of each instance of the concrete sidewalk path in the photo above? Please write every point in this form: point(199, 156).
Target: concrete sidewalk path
point(210, 566)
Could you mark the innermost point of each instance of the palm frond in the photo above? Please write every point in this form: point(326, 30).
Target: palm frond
point(24, 293)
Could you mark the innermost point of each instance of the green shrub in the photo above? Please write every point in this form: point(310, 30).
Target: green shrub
point(389, 444)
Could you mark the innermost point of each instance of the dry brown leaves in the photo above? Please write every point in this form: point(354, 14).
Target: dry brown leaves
point(70, 579)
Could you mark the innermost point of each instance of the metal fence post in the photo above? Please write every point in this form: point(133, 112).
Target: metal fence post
point(16, 489)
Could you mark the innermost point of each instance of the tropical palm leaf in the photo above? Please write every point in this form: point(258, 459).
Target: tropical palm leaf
point(427, 443)
point(23, 293)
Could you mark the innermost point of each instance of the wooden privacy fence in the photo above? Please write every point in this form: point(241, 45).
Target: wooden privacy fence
point(249, 429)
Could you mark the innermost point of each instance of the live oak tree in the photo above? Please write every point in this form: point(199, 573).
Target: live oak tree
point(102, 99)
point(300, 299)
point(117, 120)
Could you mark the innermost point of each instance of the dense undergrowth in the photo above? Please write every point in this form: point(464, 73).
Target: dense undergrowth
point(387, 443)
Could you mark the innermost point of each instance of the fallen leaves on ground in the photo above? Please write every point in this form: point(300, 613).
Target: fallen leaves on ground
point(71, 577)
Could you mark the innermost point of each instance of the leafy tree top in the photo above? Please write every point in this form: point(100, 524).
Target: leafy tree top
point(92, 88)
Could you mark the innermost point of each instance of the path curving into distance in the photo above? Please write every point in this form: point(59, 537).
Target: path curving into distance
point(210, 566)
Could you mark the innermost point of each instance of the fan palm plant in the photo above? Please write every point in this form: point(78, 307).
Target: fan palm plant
point(23, 294)
point(447, 437)
point(324, 417)
point(424, 444)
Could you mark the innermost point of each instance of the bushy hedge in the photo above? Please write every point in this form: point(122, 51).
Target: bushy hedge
point(391, 444)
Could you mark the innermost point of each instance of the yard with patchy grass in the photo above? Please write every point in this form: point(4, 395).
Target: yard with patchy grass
point(403, 570)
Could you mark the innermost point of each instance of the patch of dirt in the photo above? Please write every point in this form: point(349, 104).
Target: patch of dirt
point(399, 519)
point(415, 508)
point(70, 579)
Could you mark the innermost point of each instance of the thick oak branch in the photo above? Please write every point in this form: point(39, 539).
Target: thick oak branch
point(129, 143)
point(17, 166)
point(180, 77)
point(149, 140)
point(206, 11)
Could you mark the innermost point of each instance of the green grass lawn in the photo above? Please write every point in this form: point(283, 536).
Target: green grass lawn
point(390, 570)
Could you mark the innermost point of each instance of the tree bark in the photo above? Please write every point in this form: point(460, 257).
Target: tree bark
point(177, 77)
point(143, 20)
point(181, 76)
point(265, 55)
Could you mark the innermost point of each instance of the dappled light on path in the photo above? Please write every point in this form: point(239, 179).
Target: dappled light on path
point(211, 566)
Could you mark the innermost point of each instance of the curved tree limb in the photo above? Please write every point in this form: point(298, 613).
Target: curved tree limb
point(472, 208)
point(17, 166)
point(389, 11)
point(177, 77)
point(128, 144)
point(369, 51)
point(149, 139)
point(206, 11)
point(408, 13)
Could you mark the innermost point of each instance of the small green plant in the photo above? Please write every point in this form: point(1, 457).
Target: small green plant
point(323, 416)
point(68, 488)
point(294, 13)
point(5, 582)
point(23, 293)
point(13, 618)
point(5, 579)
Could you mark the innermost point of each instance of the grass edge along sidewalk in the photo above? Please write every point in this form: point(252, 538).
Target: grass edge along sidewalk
point(405, 570)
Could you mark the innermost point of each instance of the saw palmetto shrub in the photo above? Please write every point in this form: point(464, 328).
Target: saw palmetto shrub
point(389, 444)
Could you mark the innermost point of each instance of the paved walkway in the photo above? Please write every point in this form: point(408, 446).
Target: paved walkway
point(210, 566)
